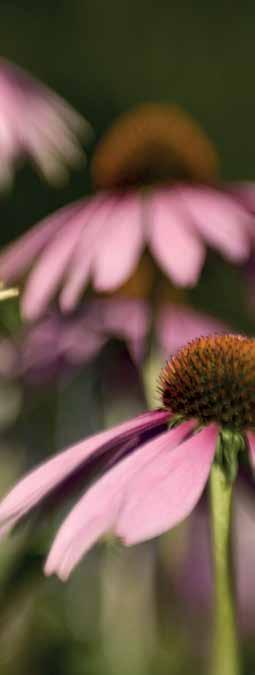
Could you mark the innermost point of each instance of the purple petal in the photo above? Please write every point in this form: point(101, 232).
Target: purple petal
point(98, 511)
point(41, 481)
point(178, 324)
point(179, 250)
point(168, 488)
point(128, 319)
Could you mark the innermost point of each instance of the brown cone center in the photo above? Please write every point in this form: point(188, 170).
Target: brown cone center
point(153, 143)
point(212, 379)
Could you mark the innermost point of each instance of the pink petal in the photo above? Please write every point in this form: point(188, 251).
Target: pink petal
point(178, 249)
point(81, 262)
point(98, 510)
point(50, 268)
point(41, 481)
point(177, 324)
point(34, 121)
point(251, 447)
point(17, 257)
point(121, 245)
point(168, 488)
point(220, 220)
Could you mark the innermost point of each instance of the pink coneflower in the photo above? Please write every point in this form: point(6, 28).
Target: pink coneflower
point(36, 123)
point(155, 466)
point(155, 173)
point(60, 343)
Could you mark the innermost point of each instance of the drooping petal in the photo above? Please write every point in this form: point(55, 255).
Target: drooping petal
point(176, 246)
point(36, 122)
point(18, 257)
point(97, 512)
point(121, 245)
point(81, 261)
point(168, 488)
point(42, 480)
point(50, 267)
point(220, 220)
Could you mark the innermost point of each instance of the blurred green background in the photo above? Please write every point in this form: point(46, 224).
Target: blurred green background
point(122, 611)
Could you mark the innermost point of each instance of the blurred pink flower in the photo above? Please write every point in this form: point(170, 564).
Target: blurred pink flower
point(153, 476)
point(57, 343)
point(36, 123)
point(60, 343)
point(157, 180)
point(177, 324)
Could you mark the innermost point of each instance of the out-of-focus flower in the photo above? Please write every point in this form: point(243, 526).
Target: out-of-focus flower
point(156, 177)
point(58, 342)
point(153, 476)
point(36, 123)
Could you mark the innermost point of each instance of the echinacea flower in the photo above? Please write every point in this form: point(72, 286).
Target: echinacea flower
point(155, 466)
point(60, 343)
point(155, 173)
point(37, 123)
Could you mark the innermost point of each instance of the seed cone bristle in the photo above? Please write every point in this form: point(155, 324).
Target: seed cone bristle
point(153, 142)
point(212, 379)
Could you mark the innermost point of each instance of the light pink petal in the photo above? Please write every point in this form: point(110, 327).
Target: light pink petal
point(251, 447)
point(17, 257)
point(121, 245)
point(220, 220)
point(80, 264)
point(168, 488)
point(36, 122)
point(39, 482)
point(51, 266)
point(97, 512)
point(179, 250)
point(177, 324)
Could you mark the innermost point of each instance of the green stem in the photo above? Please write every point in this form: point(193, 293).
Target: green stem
point(225, 652)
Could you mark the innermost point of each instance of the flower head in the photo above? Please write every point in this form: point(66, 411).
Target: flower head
point(36, 123)
point(156, 178)
point(212, 379)
point(153, 475)
point(57, 343)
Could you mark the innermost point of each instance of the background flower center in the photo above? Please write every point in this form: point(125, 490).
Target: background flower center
point(153, 143)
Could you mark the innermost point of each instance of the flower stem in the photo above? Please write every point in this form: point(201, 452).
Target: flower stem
point(225, 652)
